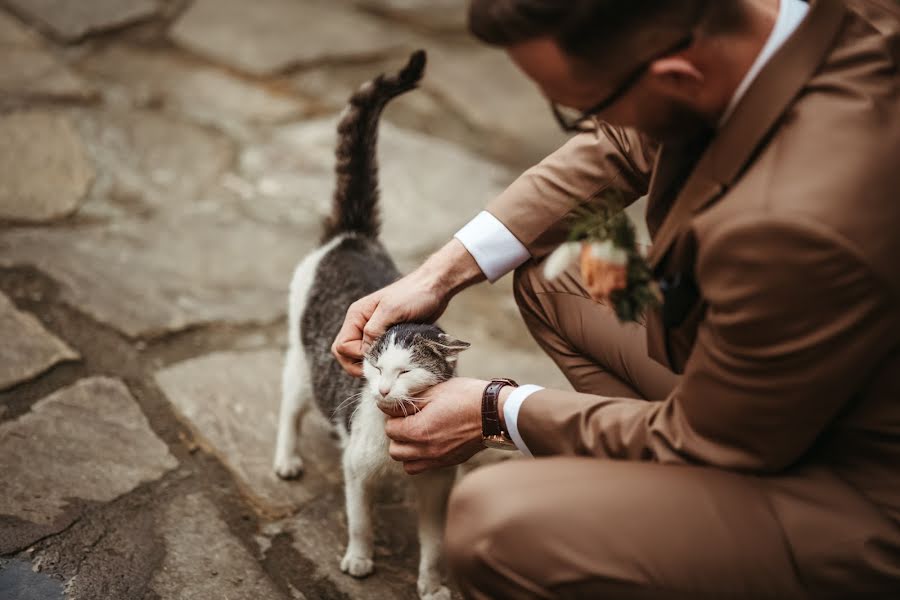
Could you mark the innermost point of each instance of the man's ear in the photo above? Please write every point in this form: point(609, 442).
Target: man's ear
point(676, 76)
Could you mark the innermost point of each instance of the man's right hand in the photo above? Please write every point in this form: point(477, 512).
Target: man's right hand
point(412, 298)
point(421, 297)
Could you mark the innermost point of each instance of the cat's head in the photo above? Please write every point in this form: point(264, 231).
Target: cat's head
point(407, 360)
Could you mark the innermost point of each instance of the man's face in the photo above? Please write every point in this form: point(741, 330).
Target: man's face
point(647, 106)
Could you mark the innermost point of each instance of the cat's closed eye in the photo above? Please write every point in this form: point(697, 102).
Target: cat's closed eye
point(403, 372)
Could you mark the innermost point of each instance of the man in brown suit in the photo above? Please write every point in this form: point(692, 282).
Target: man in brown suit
point(746, 441)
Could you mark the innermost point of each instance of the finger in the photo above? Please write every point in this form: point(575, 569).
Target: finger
point(348, 361)
point(347, 346)
point(416, 467)
point(382, 318)
point(402, 452)
point(395, 411)
point(404, 429)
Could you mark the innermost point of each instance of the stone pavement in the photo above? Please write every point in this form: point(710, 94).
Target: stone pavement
point(163, 166)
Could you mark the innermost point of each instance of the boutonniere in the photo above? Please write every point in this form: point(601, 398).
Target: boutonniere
point(613, 269)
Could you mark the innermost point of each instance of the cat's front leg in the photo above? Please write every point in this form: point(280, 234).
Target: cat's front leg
point(358, 483)
point(432, 490)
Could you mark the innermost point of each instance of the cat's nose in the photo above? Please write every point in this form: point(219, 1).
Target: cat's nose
point(384, 390)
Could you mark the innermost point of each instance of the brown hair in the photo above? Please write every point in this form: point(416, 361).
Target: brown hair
point(584, 27)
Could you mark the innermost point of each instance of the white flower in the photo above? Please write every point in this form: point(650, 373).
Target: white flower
point(561, 259)
point(608, 252)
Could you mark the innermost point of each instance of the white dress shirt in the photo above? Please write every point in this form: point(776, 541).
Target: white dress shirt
point(497, 251)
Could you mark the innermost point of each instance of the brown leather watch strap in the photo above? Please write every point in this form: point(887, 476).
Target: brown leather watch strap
point(490, 414)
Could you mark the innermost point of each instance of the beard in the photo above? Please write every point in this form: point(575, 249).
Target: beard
point(673, 122)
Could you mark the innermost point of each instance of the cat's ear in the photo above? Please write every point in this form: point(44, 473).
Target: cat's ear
point(448, 346)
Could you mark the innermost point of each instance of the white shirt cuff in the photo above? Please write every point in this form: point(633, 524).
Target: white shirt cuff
point(492, 245)
point(511, 415)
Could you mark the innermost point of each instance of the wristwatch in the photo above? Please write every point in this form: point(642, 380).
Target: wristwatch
point(492, 433)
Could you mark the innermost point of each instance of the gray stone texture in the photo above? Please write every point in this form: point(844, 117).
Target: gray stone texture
point(319, 532)
point(150, 164)
point(231, 400)
point(484, 87)
point(436, 15)
point(71, 20)
point(202, 93)
point(268, 36)
point(150, 278)
point(27, 349)
point(297, 163)
point(203, 560)
point(44, 169)
point(88, 442)
point(30, 71)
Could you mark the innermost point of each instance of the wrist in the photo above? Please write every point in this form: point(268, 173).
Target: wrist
point(450, 270)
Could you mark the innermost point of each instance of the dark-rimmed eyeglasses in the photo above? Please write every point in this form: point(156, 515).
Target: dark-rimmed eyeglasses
point(582, 121)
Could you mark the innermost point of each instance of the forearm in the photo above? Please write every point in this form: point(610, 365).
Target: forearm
point(450, 270)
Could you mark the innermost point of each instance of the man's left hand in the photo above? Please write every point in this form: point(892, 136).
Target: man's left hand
point(445, 431)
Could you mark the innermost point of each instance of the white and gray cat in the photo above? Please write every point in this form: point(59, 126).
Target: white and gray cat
point(408, 359)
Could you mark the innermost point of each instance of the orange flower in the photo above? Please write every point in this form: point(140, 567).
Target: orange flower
point(602, 276)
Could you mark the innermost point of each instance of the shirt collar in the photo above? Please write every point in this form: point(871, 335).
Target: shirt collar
point(790, 14)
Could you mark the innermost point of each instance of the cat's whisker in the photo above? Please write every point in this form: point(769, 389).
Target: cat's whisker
point(347, 401)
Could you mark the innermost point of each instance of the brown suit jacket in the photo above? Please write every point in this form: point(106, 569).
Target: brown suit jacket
point(785, 232)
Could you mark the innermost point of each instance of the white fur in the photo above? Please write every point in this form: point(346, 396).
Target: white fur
point(365, 458)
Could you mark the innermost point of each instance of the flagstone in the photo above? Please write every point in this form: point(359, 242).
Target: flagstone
point(202, 93)
point(429, 187)
point(150, 278)
point(87, 442)
point(30, 71)
point(44, 168)
point(268, 36)
point(71, 21)
point(27, 349)
point(203, 560)
point(231, 401)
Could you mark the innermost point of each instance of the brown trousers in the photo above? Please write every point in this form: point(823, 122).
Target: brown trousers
point(589, 528)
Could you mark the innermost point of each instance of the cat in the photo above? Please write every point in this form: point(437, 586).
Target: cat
point(408, 359)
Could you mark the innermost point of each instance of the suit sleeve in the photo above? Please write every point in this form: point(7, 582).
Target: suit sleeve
point(535, 207)
point(795, 325)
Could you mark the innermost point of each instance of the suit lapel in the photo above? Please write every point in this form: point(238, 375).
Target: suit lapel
point(734, 145)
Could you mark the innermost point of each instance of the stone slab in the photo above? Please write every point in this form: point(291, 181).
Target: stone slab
point(231, 401)
point(429, 187)
point(149, 163)
point(150, 278)
point(436, 15)
point(319, 533)
point(48, 144)
point(201, 93)
point(483, 86)
point(71, 21)
point(203, 560)
point(30, 71)
point(269, 36)
point(86, 442)
point(27, 349)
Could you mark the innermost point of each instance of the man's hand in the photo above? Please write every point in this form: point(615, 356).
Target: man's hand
point(422, 296)
point(445, 432)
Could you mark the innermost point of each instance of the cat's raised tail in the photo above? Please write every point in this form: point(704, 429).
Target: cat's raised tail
point(355, 203)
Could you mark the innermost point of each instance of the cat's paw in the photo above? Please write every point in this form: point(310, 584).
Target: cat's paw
point(441, 593)
point(289, 468)
point(357, 566)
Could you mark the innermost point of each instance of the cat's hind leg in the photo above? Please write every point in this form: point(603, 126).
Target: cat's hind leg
point(296, 393)
point(432, 490)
